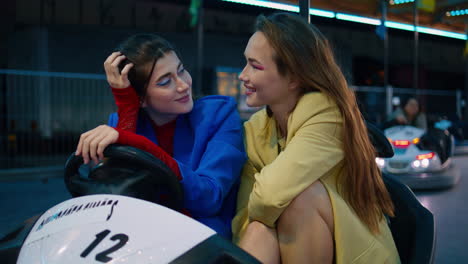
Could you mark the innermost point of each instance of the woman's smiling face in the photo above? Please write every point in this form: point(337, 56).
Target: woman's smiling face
point(169, 90)
point(264, 85)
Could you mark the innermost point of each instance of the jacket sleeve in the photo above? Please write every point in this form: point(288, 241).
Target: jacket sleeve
point(312, 152)
point(140, 142)
point(206, 187)
point(113, 120)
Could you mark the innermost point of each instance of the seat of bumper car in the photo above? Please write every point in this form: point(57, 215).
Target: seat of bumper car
point(413, 226)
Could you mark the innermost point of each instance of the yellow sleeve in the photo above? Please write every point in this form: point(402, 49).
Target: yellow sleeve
point(246, 185)
point(241, 220)
point(312, 152)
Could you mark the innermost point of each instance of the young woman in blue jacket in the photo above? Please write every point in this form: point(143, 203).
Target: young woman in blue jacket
point(201, 141)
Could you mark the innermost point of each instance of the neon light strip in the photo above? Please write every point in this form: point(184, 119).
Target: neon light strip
point(397, 2)
point(358, 19)
point(397, 25)
point(426, 30)
point(284, 7)
point(352, 18)
point(322, 13)
point(268, 4)
point(442, 33)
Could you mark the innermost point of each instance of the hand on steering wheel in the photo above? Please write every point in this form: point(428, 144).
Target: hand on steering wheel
point(126, 171)
point(92, 143)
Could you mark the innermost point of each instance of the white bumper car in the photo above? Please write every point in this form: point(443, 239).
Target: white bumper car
point(99, 226)
point(423, 159)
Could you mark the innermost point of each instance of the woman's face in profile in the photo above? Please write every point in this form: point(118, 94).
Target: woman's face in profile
point(169, 89)
point(262, 81)
point(412, 107)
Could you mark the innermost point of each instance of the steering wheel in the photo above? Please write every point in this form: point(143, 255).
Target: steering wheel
point(125, 171)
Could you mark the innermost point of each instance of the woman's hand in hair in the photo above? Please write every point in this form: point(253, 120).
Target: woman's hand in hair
point(92, 143)
point(116, 78)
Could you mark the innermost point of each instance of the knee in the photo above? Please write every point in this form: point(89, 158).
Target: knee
point(312, 199)
point(312, 202)
point(257, 228)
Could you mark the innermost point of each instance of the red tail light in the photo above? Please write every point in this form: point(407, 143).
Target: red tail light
point(401, 143)
point(425, 156)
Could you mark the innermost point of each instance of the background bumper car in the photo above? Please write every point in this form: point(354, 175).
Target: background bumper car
point(423, 159)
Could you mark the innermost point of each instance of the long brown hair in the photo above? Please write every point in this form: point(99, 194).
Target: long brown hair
point(303, 53)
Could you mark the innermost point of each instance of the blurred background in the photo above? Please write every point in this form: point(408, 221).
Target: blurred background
point(53, 87)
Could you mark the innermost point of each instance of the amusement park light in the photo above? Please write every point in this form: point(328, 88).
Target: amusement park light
point(397, 25)
point(416, 164)
point(425, 163)
point(401, 143)
point(268, 4)
point(355, 18)
point(442, 33)
point(429, 155)
point(284, 7)
point(460, 12)
point(427, 30)
point(358, 19)
point(398, 2)
point(322, 13)
point(380, 162)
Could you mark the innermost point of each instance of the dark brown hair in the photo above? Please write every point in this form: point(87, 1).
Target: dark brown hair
point(303, 53)
point(143, 50)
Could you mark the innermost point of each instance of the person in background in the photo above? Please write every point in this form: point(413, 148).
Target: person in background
point(201, 141)
point(409, 114)
point(310, 191)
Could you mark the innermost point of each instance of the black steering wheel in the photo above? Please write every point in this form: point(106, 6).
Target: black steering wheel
point(125, 171)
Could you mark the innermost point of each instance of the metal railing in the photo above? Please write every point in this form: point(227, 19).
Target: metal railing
point(43, 113)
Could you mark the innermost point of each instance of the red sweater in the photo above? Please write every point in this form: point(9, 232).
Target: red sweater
point(128, 104)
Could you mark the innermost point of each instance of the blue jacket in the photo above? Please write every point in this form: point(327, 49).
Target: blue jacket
point(208, 146)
